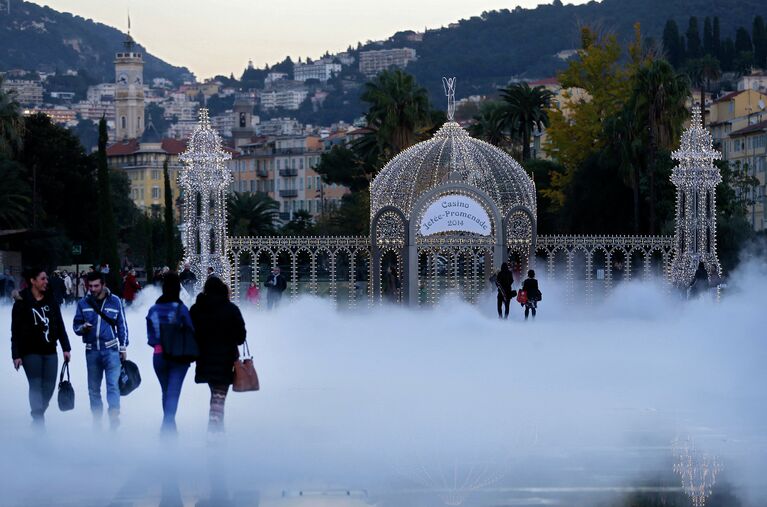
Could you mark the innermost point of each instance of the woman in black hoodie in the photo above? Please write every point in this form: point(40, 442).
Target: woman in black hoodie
point(219, 329)
point(36, 326)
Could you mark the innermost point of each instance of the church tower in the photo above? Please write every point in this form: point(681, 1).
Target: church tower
point(243, 130)
point(129, 91)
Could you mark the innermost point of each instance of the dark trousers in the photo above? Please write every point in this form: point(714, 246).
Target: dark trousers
point(171, 376)
point(41, 371)
point(503, 303)
point(530, 306)
point(217, 400)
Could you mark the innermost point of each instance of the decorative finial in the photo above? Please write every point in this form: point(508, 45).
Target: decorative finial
point(204, 119)
point(448, 83)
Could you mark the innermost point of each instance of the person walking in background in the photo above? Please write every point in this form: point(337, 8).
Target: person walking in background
point(168, 309)
point(80, 290)
point(219, 330)
point(534, 296)
point(57, 287)
point(69, 287)
point(503, 282)
point(253, 295)
point(188, 279)
point(391, 284)
point(131, 287)
point(100, 320)
point(36, 327)
point(275, 286)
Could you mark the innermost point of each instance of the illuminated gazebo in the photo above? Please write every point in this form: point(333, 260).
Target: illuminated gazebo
point(446, 212)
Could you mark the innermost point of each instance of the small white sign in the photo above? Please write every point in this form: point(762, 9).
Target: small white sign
point(455, 213)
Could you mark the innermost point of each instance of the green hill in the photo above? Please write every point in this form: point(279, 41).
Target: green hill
point(39, 38)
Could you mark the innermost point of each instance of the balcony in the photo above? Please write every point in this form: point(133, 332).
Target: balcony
point(289, 192)
point(289, 172)
point(285, 216)
point(262, 172)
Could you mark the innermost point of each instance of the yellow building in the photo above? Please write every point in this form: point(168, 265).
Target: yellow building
point(732, 112)
point(747, 151)
point(142, 160)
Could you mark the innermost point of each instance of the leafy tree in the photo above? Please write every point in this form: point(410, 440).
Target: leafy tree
point(88, 133)
point(399, 111)
point(694, 49)
point(11, 124)
point(527, 109)
point(575, 132)
point(107, 230)
point(733, 197)
point(251, 214)
point(343, 166)
point(627, 151)
point(351, 218)
point(14, 196)
point(156, 113)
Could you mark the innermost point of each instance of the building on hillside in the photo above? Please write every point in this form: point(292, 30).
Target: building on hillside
point(283, 168)
point(223, 123)
point(734, 111)
point(103, 92)
point(290, 99)
point(273, 77)
point(373, 62)
point(60, 115)
point(747, 151)
point(129, 92)
point(757, 80)
point(345, 58)
point(321, 71)
point(26, 91)
point(142, 160)
point(279, 127)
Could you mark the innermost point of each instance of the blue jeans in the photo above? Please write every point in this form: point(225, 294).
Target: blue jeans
point(171, 376)
point(104, 363)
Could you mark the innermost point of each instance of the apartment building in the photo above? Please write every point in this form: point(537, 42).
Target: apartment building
point(283, 168)
point(27, 92)
point(747, 151)
point(289, 99)
point(322, 71)
point(373, 62)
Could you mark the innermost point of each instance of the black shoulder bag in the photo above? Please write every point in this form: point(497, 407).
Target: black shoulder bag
point(66, 395)
point(109, 320)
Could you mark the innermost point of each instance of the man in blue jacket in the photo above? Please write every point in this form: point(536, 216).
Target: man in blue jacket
point(100, 320)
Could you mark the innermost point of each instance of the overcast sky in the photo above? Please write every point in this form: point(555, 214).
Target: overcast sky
point(220, 36)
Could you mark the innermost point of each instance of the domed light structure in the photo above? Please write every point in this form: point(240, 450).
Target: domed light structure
point(204, 182)
point(695, 178)
point(452, 193)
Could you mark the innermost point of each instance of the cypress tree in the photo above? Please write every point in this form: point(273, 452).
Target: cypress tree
point(671, 43)
point(694, 49)
point(717, 42)
point(107, 240)
point(743, 41)
point(727, 54)
point(759, 36)
point(149, 235)
point(170, 227)
point(708, 37)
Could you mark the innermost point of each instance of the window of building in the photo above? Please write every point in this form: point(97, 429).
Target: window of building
point(301, 164)
point(142, 193)
point(155, 174)
point(317, 181)
point(155, 192)
point(293, 163)
point(252, 185)
point(301, 184)
point(123, 122)
point(309, 182)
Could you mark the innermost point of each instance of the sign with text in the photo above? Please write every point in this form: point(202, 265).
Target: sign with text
point(455, 213)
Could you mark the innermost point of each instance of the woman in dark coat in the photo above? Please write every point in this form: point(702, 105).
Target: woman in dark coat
point(36, 328)
point(219, 329)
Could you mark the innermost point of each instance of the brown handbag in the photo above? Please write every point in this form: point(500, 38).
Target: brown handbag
point(245, 376)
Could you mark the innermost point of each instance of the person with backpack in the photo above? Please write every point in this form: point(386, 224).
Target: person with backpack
point(168, 317)
point(530, 295)
point(36, 327)
point(100, 320)
point(219, 329)
point(503, 282)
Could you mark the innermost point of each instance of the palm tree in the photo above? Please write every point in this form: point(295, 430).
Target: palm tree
point(491, 124)
point(251, 214)
point(399, 110)
point(659, 101)
point(14, 196)
point(701, 72)
point(527, 110)
point(11, 124)
point(625, 148)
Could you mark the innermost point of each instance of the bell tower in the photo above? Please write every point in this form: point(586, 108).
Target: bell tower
point(129, 91)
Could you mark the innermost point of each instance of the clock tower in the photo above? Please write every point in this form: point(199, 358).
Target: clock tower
point(129, 91)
